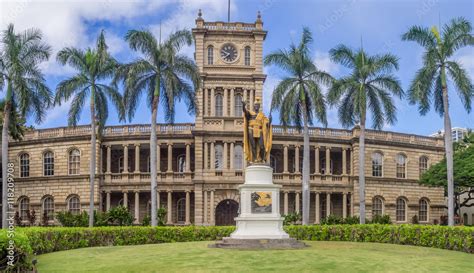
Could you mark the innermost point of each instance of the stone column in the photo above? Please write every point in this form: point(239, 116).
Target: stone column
point(252, 98)
point(125, 158)
point(158, 157)
point(213, 219)
point(205, 208)
point(352, 203)
point(213, 156)
point(344, 205)
point(224, 103)
point(188, 209)
point(297, 159)
point(328, 204)
point(107, 201)
point(224, 156)
point(109, 159)
point(316, 160)
point(137, 207)
point(170, 158)
point(188, 157)
point(137, 157)
point(285, 203)
point(285, 158)
point(344, 161)
point(297, 202)
point(213, 103)
point(317, 217)
point(232, 155)
point(205, 109)
point(232, 102)
point(125, 199)
point(328, 160)
point(206, 156)
point(245, 97)
point(169, 215)
point(158, 201)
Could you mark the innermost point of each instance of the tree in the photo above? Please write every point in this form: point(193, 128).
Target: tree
point(163, 75)
point(430, 82)
point(299, 98)
point(463, 166)
point(26, 91)
point(369, 87)
point(17, 122)
point(94, 67)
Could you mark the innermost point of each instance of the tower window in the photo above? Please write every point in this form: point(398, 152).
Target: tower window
point(247, 55)
point(219, 105)
point(210, 55)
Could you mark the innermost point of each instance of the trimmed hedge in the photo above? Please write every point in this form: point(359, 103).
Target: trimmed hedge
point(22, 252)
point(40, 240)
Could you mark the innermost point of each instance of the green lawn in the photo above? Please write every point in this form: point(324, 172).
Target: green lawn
point(197, 257)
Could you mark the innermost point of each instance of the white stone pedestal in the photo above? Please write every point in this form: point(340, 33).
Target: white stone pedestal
point(259, 216)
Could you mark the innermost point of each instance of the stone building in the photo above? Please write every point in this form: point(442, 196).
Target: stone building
point(200, 164)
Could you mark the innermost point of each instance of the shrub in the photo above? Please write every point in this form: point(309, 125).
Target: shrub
point(67, 219)
point(381, 219)
point(414, 219)
point(291, 219)
point(161, 216)
point(119, 216)
point(332, 220)
point(22, 252)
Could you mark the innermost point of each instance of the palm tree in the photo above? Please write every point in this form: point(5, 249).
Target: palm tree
point(94, 67)
point(430, 82)
point(299, 98)
point(17, 123)
point(26, 91)
point(369, 86)
point(163, 75)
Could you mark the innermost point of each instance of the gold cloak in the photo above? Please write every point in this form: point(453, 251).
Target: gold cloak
point(263, 122)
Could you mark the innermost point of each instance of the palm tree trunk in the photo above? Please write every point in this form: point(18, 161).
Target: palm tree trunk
point(153, 159)
point(362, 172)
point(306, 193)
point(92, 161)
point(448, 142)
point(6, 124)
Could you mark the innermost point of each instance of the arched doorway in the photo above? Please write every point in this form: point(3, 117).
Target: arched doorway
point(226, 211)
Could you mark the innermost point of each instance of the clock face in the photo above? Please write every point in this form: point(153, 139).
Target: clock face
point(228, 53)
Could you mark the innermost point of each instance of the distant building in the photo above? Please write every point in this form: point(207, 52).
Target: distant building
point(458, 133)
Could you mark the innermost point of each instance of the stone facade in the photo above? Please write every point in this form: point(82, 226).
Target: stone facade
point(200, 165)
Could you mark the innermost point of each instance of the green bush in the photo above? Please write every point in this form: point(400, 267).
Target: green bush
point(453, 238)
point(161, 216)
point(67, 219)
point(119, 216)
point(382, 219)
point(291, 219)
point(21, 250)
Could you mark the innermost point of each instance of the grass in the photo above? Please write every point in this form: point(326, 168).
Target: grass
point(197, 257)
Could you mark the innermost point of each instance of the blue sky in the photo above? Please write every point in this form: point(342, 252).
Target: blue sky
point(379, 23)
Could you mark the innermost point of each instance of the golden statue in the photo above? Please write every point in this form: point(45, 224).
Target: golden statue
point(257, 134)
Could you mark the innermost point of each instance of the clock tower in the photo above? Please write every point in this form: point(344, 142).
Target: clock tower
point(229, 57)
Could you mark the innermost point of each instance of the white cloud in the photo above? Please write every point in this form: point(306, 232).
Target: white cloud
point(467, 61)
point(324, 63)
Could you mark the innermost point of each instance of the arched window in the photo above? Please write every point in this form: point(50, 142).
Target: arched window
point(48, 208)
point(24, 206)
point(210, 55)
point(219, 106)
point(377, 164)
point(323, 165)
point(74, 161)
point(238, 157)
point(401, 210)
point(181, 210)
point(423, 164)
point(238, 105)
point(120, 164)
point(181, 163)
point(423, 210)
point(74, 205)
point(377, 206)
point(48, 163)
point(24, 165)
point(247, 55)
point(273, 163)
point(401, 166)
point(219, 157)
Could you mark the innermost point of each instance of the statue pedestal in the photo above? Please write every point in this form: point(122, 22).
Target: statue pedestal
point(259, 224)
point(259, 219)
